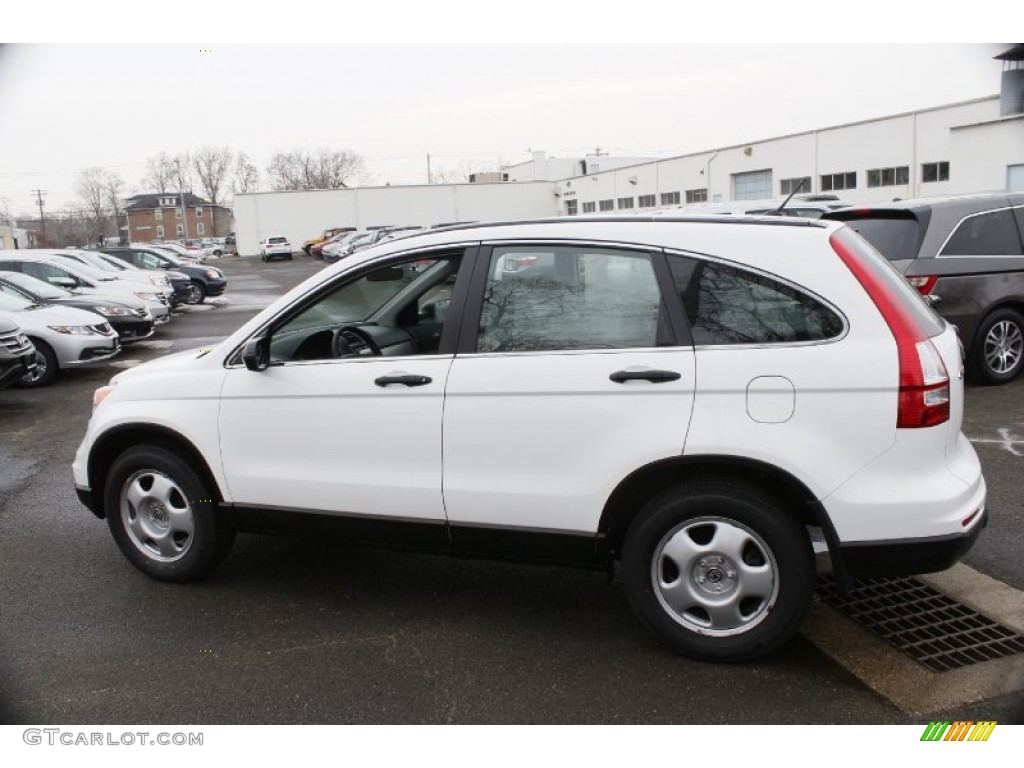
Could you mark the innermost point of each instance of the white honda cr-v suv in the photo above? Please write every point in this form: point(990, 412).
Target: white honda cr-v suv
point(696, 400)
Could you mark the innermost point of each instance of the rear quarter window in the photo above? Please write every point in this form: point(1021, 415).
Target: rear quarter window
point(727, 305)
point(994, 233)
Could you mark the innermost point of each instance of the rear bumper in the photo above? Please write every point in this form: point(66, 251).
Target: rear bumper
point(910, 556)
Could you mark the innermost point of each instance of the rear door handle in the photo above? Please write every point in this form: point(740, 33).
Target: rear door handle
point(405, 378)
point(655, 377)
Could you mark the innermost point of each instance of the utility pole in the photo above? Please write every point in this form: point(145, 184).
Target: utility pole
point(428, 169)
point(42, 221)
point(181, 194)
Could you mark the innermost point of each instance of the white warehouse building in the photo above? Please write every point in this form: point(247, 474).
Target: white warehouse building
point(970, 146)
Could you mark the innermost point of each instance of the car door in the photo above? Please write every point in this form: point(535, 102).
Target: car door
point(328, 428)
point(571, 374)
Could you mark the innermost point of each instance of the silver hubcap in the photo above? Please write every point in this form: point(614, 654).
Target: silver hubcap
point(715, 576)
point(1004, 346)
point(157, 516)
point(40, 370)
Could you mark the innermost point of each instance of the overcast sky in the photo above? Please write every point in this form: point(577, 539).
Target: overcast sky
point(67, 107)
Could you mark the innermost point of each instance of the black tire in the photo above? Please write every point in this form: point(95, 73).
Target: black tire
point(47, 366)
point(196, 293)
point(997, 354)
point(723, 546)
point(152, 498)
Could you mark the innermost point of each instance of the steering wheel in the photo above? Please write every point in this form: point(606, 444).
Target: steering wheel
point(353, 341)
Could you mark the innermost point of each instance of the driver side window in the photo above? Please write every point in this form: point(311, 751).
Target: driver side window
point(392, 310)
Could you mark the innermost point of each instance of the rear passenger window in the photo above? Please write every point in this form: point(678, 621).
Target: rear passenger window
point(725, 305)
point(547, 298)
point(987, 234)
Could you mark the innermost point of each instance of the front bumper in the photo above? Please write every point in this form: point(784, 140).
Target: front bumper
point(130, 330)
point(12, 371)
point(215, 287)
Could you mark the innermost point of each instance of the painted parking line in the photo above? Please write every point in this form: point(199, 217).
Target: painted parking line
point(1008, 440)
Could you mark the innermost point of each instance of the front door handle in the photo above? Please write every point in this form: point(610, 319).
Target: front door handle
point(405, 378)
point(655, 377)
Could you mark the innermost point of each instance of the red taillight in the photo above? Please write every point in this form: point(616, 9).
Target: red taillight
point(924, 381)
point(924, 283)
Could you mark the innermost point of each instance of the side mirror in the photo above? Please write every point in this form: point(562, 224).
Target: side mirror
point(385, 275)
point(256, 354)
point(65, 282)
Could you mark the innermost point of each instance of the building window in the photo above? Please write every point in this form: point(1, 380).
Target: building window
point(589, 207)
point(935, 172)
point(159, 231)
point(158, 215)
point(606, 205)
point(570, 210)
point(888, 177)
point(199, 211)
point(168, 201)
point(696, 195)
point(789, 186)
point(181, 230)
point(177, 213)
point(646, 201)
point(670, 198)
point(201, 228)
point(625, 202)
point(835, 181)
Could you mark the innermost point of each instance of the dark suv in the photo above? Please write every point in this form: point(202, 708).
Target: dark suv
point(966, 254)
point(17, 355)
point(205, 281)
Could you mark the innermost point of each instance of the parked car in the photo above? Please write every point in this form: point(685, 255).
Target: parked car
point(63, 337)
point(317, 248)
point(17, 355)
point(275, 246)
point(332, 251)
point(204, 280)
point(50, 269)
point(172, 284)
point(967, 254)
point(359, 241)
point(714, 396)
point(131, 319)
point(325, 235)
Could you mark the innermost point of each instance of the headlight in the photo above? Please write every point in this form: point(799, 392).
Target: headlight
point(147, 296)
point(72, 330)
point(114, 311)
point(101, 394)
point(212, 274)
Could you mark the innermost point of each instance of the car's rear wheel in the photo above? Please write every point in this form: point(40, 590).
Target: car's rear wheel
point(164, 516)
point(46, 366)
point(997, 354)
point(718, 571)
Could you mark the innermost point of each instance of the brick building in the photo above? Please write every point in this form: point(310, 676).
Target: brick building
point(160, 217)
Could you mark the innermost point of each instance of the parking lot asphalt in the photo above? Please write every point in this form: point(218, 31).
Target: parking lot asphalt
point(310, 631)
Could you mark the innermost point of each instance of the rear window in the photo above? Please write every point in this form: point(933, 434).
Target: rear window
point(276, 240)
point(894, 234)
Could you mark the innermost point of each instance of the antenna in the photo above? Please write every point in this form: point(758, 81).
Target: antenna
point(778, 211)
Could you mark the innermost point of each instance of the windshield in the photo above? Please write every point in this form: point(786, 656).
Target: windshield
point(169, 256)
point(11, 303)
point(86, 269)
point(36, 287)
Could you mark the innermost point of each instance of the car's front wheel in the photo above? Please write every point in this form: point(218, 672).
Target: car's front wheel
point(997, 355)
point(164, 516)
point(46, 366)
point(718, 571)
point(195, 294)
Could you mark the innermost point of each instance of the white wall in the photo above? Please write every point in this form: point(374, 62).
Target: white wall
point(300, 216)
point(982, 152)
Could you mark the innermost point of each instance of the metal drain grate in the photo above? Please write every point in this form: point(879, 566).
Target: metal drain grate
point(930, 627)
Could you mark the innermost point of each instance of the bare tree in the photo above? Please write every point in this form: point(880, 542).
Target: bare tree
point(160, 175)
point(115, 188)
point(93, 189)
point(317, 169)
point(246, 175)
point(212, 165)
point(460, 174)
